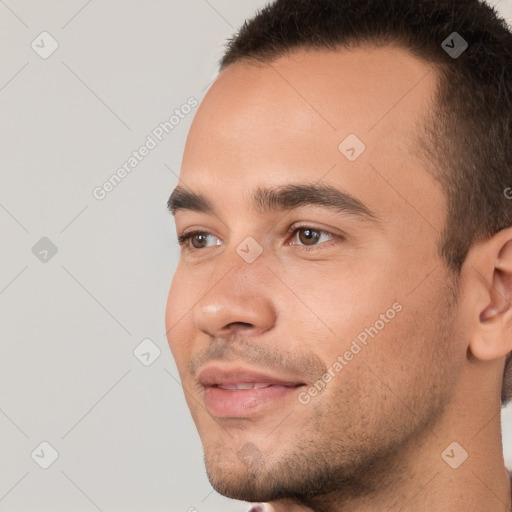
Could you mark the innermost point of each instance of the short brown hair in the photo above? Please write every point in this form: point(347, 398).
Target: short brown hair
point(467, 137)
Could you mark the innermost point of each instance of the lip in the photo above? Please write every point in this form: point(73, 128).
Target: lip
point(215, 375)
point(229, 403)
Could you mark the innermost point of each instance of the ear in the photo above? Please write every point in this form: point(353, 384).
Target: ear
point(490, 290)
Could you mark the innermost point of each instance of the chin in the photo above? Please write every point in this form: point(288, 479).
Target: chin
point(232, 481)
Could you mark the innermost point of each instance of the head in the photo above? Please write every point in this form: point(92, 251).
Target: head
point(346, 180)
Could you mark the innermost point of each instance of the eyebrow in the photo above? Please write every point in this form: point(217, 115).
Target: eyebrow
point(279, 198)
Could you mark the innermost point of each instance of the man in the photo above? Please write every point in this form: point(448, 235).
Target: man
point(341, 311)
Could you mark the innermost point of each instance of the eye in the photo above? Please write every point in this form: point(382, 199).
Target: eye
point(196, 238)
point(309, 236)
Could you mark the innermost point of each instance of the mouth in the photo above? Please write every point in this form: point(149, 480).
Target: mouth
point(249, 385)
point(239, 392)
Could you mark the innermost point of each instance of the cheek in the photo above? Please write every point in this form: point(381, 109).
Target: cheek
point(338, 299)
point(415, 354)
point(363, 310)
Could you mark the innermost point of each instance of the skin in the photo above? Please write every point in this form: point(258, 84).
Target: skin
point(373, 438)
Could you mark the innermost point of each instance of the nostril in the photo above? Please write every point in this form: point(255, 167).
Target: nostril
point(242, 325)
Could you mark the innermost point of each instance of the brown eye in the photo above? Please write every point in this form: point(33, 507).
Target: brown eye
point(308, 236)
point(195, 240)
point(200, 238)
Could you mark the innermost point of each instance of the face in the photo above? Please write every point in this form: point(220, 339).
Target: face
point(309, 316)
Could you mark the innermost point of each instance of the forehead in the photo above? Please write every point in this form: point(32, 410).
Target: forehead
point(265, 124)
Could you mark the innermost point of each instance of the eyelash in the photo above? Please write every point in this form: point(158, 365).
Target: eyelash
point(185, 237)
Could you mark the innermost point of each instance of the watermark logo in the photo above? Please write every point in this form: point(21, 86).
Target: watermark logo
point(146, 352)
point(351, 147)
point(454, 455)
point(44, 250)
point(249, 250)
point(249, 454)
point(44, 455)
point(44, 45)
point(454, 45)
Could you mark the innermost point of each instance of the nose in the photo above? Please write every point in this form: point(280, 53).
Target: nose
point(238, 302)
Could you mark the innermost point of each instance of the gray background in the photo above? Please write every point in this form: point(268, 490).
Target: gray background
point(70, 324)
